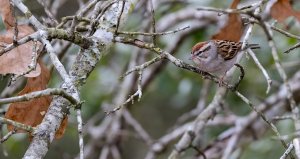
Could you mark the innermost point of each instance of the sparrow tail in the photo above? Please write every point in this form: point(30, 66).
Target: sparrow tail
point(253, 46)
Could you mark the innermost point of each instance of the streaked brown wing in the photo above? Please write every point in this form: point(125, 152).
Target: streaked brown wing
point(228, 49)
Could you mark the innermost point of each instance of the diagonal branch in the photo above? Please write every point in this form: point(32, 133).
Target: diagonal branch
point(165, 54)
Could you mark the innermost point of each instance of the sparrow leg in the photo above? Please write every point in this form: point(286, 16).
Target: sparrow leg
point(221, 80)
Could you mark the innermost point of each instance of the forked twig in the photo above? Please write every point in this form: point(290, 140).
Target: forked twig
point(138, 94)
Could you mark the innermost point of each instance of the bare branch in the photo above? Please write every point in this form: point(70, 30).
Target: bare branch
point(287, 151)
point(37, 94)
point(17, 125)
point(153, 34)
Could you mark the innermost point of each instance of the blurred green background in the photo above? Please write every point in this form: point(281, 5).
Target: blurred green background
point(173, 91)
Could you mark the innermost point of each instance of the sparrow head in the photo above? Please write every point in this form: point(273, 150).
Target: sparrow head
point(200, 50)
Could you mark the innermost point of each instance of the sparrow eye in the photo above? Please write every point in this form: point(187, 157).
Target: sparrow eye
point(203, 50)
point(207, 48)
point(198, 53)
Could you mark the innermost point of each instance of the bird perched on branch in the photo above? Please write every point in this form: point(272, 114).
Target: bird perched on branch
point(217, 56)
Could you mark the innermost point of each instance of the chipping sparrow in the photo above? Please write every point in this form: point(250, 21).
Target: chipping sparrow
point(217, 56)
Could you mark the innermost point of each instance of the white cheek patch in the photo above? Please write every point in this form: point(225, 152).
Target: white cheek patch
point(202, 55)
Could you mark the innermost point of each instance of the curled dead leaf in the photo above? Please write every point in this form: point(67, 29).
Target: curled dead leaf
point(18, 59)
point(282, 9)
point(6, 14)
point(233, 29)
point(32, 112)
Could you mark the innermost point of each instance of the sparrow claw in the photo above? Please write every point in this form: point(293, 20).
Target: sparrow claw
point(240, 77)
point(221, 81)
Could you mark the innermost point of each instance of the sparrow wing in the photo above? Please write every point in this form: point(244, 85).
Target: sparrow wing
point(228, 49)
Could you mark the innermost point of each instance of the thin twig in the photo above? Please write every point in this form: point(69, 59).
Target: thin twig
point(152, 34)
point(48, 12)
point(240, 77)
point(17, 124)
point(288, 136)
point(266, 75)
point(137, 127)
point(33, 63)
point(37, 94)
point(292, 48)
point(204, 92)
point(281, 71)
point(104, 152)
point(153, 22)
point(7, 136)
point(232, 141)
point(95, 20)
point(16, 31)
point(270, 124)
point(24, 40)
point(285, 33)
point(287, 151)
point(143, 66)
point(73, 24)
point(64, 20)
point(79, 128)
point(263, 70)
point(282, 117)
point(243, 10)
point(138, 94)
point(119, 18)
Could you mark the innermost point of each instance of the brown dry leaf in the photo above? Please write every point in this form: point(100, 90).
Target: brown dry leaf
point(18, 59)
point(233, 30)
point(60, 132)
point(32, 112)
point(282, 9)
point(6, 14)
